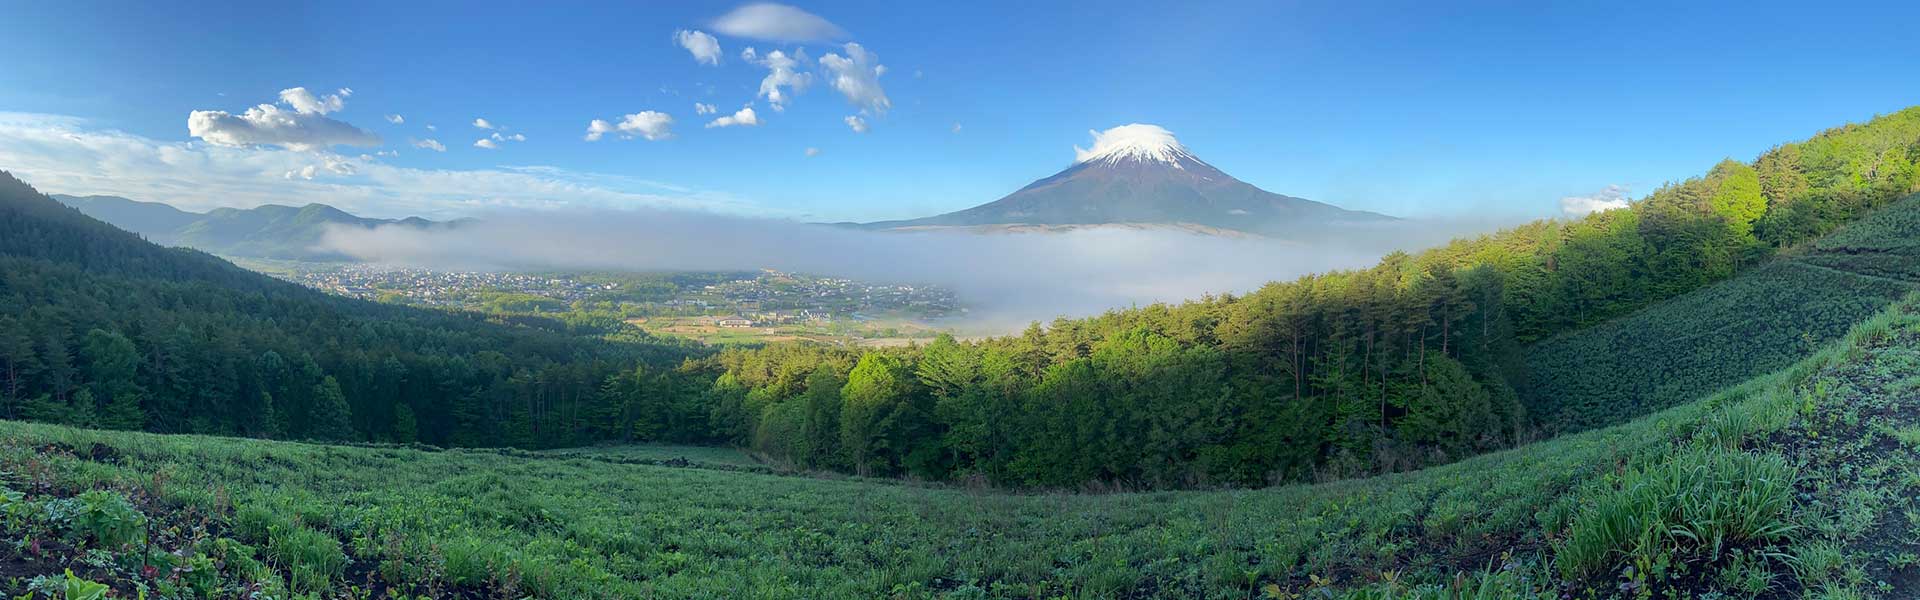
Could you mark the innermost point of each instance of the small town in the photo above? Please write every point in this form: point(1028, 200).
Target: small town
point(741, 300)
point(437, 288)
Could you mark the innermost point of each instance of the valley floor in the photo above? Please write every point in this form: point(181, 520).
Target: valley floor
point(1797, 484)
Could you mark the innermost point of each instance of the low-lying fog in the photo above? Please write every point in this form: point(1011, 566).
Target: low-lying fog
point(1006, 279)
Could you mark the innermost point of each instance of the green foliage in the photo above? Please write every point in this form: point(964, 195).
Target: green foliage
point(172, 340)
point(1686, 348)
point(311, 558)
point(105, 518)
point(1737, 196)
point(330, 418)
point(1699, 502)
point(70, 587)
point(1705, 485)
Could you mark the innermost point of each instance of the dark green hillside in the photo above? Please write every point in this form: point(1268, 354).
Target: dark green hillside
point(1763, 320)
point(1793, 485)
point(100, 328)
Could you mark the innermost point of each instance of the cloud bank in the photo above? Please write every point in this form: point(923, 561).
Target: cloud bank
point(1009, 279)
point(63, 154)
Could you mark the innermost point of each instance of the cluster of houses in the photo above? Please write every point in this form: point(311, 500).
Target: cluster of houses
point(769, 319)
point(438, 287)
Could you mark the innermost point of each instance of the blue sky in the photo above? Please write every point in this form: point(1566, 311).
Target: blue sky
point(1411, 108)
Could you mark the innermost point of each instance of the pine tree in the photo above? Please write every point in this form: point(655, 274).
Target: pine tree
point(124, 413)
point(81, 411)
point(330, 419)
point(406, 428)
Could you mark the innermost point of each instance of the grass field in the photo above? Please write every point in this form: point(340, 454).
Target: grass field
point(1762, 320)
point(879, 332)
point(232, 517)
point(660, 453)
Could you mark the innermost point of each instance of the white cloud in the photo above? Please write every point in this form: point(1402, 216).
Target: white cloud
point(305, 102)
point(1613, 197)
point(857, 76)
point(782, 72)
point(482, 123)
point(749, 54)
point(956, 127)
point(650, 125)
point(704, 109)
point(858, 124)
point(704, 48)
point(777, 23)
point(430, 144)
point(497, 139)
point(305, 128)
point(396, 119)
point(812, 152)
point(61, 154)
point(430, 127)
point(743, 117)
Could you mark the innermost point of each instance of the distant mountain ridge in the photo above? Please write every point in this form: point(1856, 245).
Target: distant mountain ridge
point(266, 231)
point(1140, 175)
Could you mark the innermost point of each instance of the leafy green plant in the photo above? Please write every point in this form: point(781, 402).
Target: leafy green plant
point(105, 517)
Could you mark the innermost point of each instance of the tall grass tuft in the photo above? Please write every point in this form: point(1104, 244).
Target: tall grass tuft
point(1697, 503)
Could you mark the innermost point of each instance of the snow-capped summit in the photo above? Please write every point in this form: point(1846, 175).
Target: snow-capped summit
point(1137, 141)
point(1141, 175)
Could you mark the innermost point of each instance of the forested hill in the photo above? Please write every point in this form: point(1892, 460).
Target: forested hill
point(101, 328)
point(1411, 362)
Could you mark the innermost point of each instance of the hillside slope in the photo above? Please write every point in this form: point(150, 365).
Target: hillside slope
point(1766, 318)
point(1789, 485)
point(101, 328)
point(267, 231)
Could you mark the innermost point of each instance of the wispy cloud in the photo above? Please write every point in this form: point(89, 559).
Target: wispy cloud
point(650, 125)
point(704, 48)
point(777, 23)
point(65, 154)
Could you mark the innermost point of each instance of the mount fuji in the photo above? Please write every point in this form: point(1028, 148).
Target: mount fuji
point(1141, 176)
